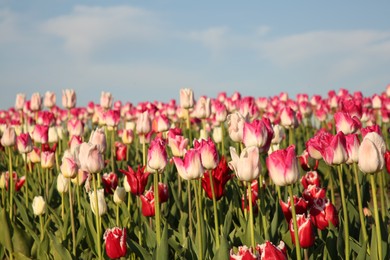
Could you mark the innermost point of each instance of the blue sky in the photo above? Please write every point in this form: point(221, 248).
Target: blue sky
point(148, 50)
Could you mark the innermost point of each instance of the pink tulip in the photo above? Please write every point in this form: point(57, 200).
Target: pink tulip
point(106, 100)
point(127, 136)
point(157, 155)
point(112, 118)
point(35, 102)
point(20, 100)
point(345, 123)
point(353, 107)
point(69, 167)
point(47, 159)
point(371, 153)
point(40, 134)
point(208, 153)
point(283, 166)
point(91, 160)
point(235, 124)
point(336, 151)
point(49, 100)
point(190, 167)
point(24, 143)
point(9, 137)
point(246, 165)
point(160, 124)
point(178, 144)
point(68, 98)
point(352, 143)
point(75, 127)
point(45, 118)
point(220, 112)
point(202, 108)
point(186, 98)
point(317, 144)
point(258, 133)
point(98, 137)
point(143, 125)
point(288, 118)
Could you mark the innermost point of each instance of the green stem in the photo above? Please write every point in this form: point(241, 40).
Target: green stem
point(253, 244)
point(113, 150)
point(291, 136)
point(198, 222)
point(223, 139)
point(47, 184)
point(62, 205)
point(382, 195)
point(188, 124)
point(97, 216)
point(294, 217)
point(331, 187)
point(360, 205)
point(190, 208)
point(57, 161)
point(26, 179)
point(139, 220)
point(41, 224)
point(72, 220)
point(78, 193)
point(117, 215)
point(144, 151)
point(12, 185)
point(157, 208)
point(345, 213)
point(3, 197)
point(216, 224)
point(262, 208)
point(377, 224)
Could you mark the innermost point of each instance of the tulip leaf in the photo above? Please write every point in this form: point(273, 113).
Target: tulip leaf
point(331, 244)
point(139, 250)
point(228, 221)
point(5, 237)
point(161, 251)
point(374, 243)
point(60, 252)
point(22, 211)
point(21, 241)
point(223, 250)
point(20, 256)
point(363, 251)
point(43, 248)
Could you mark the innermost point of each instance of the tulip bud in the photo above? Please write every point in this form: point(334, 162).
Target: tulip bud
point(35, 102)
point(24, 143)
point(148, 209)
point(80, 178)
point(191, 167)
point(9, 137)
point(157, 155)
point(2, 181)
point(371, 153)
point(62, 183)
point(50, 99)
point(217, 134)
point(143, 125)
point(208, 153)
point(235, 124)
point(115, 239)
point(283, 166)
point(68, 98)
point(127, 136)
point(91, 160)
point(119, 195)
point(106, 100)
point(20, 100)
point(336, 151)
point(246, 166)
point(69, 166)
point(186, 98)
point(47, 159)
point(38, 205)
point(305, 231)
point(101, 202)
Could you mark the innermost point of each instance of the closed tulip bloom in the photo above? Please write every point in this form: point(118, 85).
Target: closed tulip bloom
point(115, 239)
point(9, 137)
point(80, 178)
point(127, 136)
point(101, 202)
point(49, 100)
point(119, 195)
point(268, 251)
point(74, 142)
point(110, 182)
point(178, 144)
point(35, 102)
point(191, 167)
point(52, 135)
point(352, 143)
point(75, 127)
point(312, 193)
point(283, 166)
point(69, 167)
point(160, 123)
point(147, 200)
point(157, 155)
point(120, 151)
point(371, 153)
point(126, 185)
point(255, 134)
point(221, 175)
point(208, 153)
point(202, 108)
point(220, 112)
point(369, 129)
point(322, 212)
point(246, 165)
point(38, 205)
point(91, 160)
point(18, 182)
point(217, 134)
point(68, 98)
point(235, 124)
point(345, 123)
point(40, 134)
point(336, 151)
point(278, 135)
point(62, 183)
point(35, 155)
point(106, 100)
point(300, 204)
point(288, 118)
point(2, 181)
point(98, 137)
point(311, 178)
point(112, 118)
point(19, 101)
point(305, 231)
point(163, 192)
point(186, 98)
point(244, 253)
point(47, 159)
point(143, 125)
point(317, 144)
point(137, 180)
point(45, 118)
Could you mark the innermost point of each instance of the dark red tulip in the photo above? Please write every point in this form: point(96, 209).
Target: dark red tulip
point(120, 151)
point(300, 207)
point(268, 251)
point(310, 178)
point(147, 200)
point(322, 212)
point(136, 180)
point(115, 239)
point(305, 231)
point(110, 182)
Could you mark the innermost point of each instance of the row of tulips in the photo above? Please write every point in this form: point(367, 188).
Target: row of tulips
point(205, 179)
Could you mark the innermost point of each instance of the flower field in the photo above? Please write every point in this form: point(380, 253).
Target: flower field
point(226, 177)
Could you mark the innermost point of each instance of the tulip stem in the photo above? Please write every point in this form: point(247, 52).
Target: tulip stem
point(382, 195)
point(144, 151)
point(223, 139)
point(294, 217)
point(251, 216)
point(117, 215)
point(78, 192)
point(291, 136)
point(377, 224)
point(113, 150)
point(359, 198)
point(26, 179)
point(47, 185)
point(216, 224)
point(345, 213)
point(97, 216)
point(190, 208)
point(331, 186)
point(157, 208)
point(72, 220)
point(41, 224)
point(12, 185)
point(139, 220)
point(262, 209)
point(198, 222)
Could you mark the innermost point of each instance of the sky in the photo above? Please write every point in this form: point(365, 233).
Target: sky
point(149, 50)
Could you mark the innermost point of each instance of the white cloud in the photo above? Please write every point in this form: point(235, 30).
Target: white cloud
point(213, 38)
point(86, 29)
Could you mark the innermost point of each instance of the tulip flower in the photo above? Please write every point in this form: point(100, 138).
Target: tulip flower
point(288, 118)
point(119, 195)
point(127, 136)
point(220, 112)
point(62, 183)
point(19, 101)
point(110, 182)
point(186, 98)
point(35, 102)
point(18, 182)
point(235, 124)
point(49, 99)
point(163, 193)
point(369, 129)
point(52, 135)
point(268, 251)
point(45, 118)
point(9, 137)
point(80, 178)
point(283, 166)
point(39, 205)
point(68, 98)
point(246, 166)
point(40, 134)
point(69, 167)
point(346, 123)
point(137, 180)
point(178, 144)
point(312, 193)
point(307, 163)
point(353, 143)
point(91, 160)
point(202, 108)
point(143, 125)
point(387, 161)
point(101, 202)
point(208, 153)
point(300, 207)
point(310, 178)
point(278, 134)
point(244, 253)
point(371, 153)
point(24, 143)
point(74, 142)
point(305, 231)
point(98, 137)
point(148, 209)
point(221, 175)
point(157, 155)
point(160, 123)
point(336, 151)
point(322, 212)
point(106, 100)
point(75, 127)
point(258, 133)
point(35, 155)
point(191, 167)
point(317, 144)
point(112, 118)
point(115, 239)
point(120, 151)
point(47, 159)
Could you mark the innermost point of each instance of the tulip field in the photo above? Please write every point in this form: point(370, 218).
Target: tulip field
point(225, 177)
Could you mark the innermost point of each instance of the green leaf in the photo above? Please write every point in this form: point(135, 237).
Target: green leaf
point(223, 250)
point(331, 245)
point(20, 256)
point(363, 251)
point(5, 237)
point(21, 241)
point(161, 251)
point(59, 252)
point(139, 250)
point(228, 221)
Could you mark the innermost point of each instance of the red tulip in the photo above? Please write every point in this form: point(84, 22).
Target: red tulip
point(110, 182)
point(163, 192)
point(136, 180)
point(300, 207)
point(312, 193)
point(322, 211)
point(120, 151)
point(310, 178)
point(245, 202)
point(115, 239)
point(307, 163)
point(244, 253)
point(305, 231)
point(268, 251)
point(387, 160)
point(45, 118)
point(148, 209)
point(17, 181)
point(221, 175)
